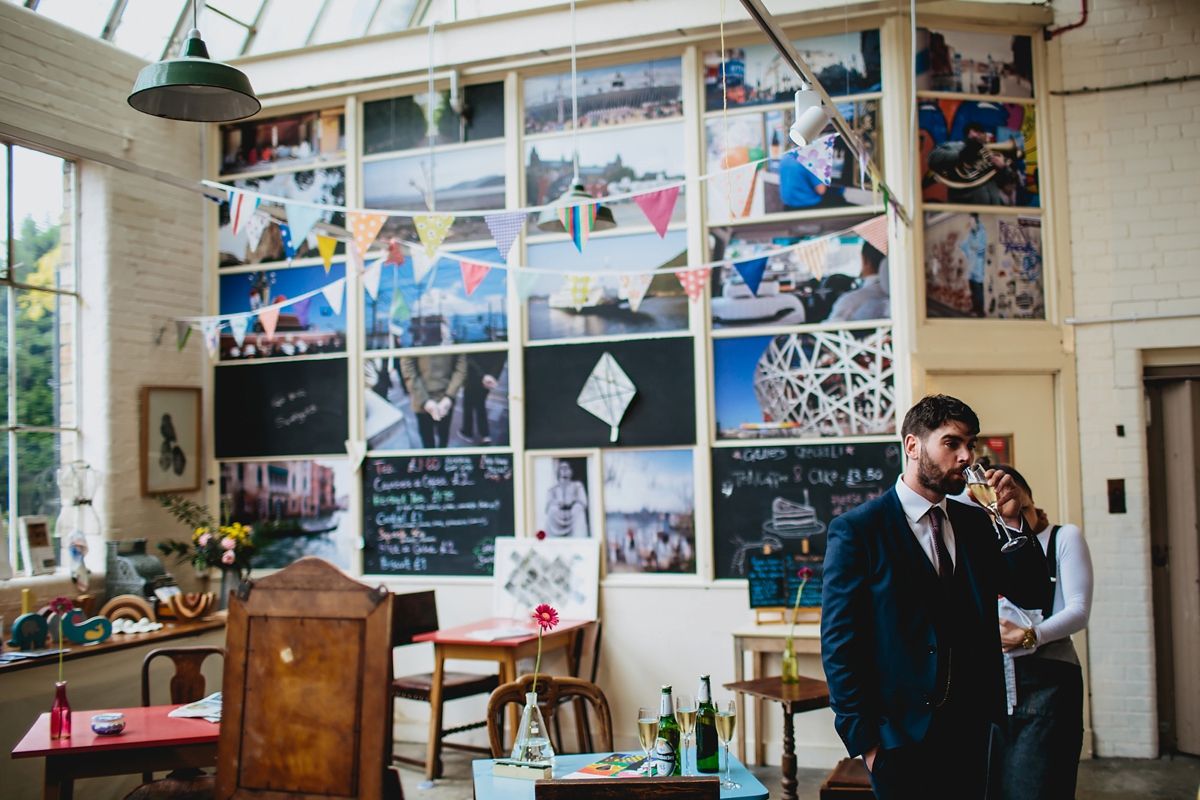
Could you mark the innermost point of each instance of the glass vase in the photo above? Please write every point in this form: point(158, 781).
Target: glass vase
point(60, 713)
point(791, 667)
point(231, 577)
point(532, 742)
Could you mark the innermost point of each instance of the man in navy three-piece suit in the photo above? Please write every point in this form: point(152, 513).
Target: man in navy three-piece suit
point(910, 638)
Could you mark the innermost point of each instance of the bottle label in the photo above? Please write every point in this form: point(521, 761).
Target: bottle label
point(663, 757)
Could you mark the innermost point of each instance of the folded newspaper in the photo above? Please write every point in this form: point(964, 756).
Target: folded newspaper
point(209, 708)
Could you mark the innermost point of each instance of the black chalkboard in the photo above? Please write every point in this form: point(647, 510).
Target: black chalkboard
point(435, 515)
point(663, 411)
point(775, 579)
point(290, 408)
point(785, 496)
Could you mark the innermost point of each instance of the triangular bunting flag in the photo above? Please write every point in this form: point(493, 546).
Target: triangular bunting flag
point(238, 325)
point(395, 253)
point(422, 262)
point(525, 282)
point(325, 246)
point(399, 311)
point(333, 294)
point(269, 317)
point(578, 222)
point(254, 229)
point(504, 228)
point(289, 246)
point(241, 207)
point(657, 206)
point(370, 279)
point(301, 218)
point(357, 450)
point(472, 274)
point(301, 308)
point(633, 288)
point(693, 281)
point(817, 158)
point(752, 272)
point(364, 228)
point(812, 255)
point(734, 188)
point(875, 231)
point(183, 329)
point(581, 290)
point(433, 229)
point(211, 327)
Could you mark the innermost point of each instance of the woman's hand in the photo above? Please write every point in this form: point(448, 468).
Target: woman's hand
point(1011, 635)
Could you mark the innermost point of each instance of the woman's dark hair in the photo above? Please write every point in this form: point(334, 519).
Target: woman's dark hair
point(1017, 477)
point(934, 411)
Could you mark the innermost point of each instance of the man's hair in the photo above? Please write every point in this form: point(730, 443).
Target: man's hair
point(1017, 477)
point(934, 411)
point(873, 255)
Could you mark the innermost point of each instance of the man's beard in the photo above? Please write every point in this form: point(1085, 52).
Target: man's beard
point(935, 480)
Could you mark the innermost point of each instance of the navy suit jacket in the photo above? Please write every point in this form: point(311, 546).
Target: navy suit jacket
point(878, 644)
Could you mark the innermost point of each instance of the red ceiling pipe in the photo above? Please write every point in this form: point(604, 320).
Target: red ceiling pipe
point(1049, 34)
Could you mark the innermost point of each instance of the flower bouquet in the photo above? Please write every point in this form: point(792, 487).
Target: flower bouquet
point(229, 548)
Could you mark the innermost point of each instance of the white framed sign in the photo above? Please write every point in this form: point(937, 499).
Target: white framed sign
point(37, 551)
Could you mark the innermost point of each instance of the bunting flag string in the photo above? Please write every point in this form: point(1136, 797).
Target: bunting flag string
point(752, 273)
point(422, 263)
point(395, 253)
point(326, 245)
point(370, 278)
point(875, 231)
point(238, 325)
point(693, 282)
point(255, 226)
point(301, 219)
point(334, 293)
point(242, 206)
point(183, 329)
point(658, 207)
point(364, 228)
point(812, 254)
point(472, 275)
point(581, 289)
point(211, 329)
point(504, 229)
point(578, 222)
point(399, 310)
point(525, 283)
point(735, 188)
point(289, 246)
point(300, 308)
point(633, 288)
point(432, 230)
point(269, 317)
point(817, 158)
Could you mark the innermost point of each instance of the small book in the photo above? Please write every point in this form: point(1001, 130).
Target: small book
point(618, 765)
point(525, 770)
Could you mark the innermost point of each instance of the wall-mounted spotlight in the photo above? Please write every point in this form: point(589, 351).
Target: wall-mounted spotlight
point(811, 116)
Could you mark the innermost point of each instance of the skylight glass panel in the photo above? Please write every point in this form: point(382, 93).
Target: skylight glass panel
point(393, 15)
point(146, 27)
point(285, 26)
point(85, 16)
point(343, 19)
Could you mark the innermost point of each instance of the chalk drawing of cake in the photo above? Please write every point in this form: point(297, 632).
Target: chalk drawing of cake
point(793, 520)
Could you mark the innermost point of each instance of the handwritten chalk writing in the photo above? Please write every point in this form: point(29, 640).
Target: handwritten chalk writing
point(761, 454)
point(744, 478)
point(297, 416)
point(279, 399)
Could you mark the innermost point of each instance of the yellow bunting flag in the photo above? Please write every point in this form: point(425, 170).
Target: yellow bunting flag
point(364, 227)
point(325, 246)
point(433, 229)
point(812, 255)
point(580, 287)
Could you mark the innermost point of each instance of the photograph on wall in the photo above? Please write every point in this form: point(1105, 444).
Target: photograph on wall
point(996, 448)
point(401, 123)
point(826, 383)
point(465, 178)
point(562, 497)
point(563, 574)
point(783, 499)
point(782, 183)
point(607, 96)
point(307, 328)
point(608, 305)
point(757, 75)
point(436, 401)
point(980, 153)
point(170, 439)
point(306, 138)
point(610, 162)
point(649, 511)
point(297, 508)
point(984, 265)
point(974, 63)
point(313, 186)
point(438, 310)
point(844, 280)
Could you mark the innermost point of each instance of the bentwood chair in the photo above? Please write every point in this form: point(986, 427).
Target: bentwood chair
point(187, 686)
point(552, 693)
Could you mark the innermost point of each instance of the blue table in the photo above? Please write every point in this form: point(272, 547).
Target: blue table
point(489, 787)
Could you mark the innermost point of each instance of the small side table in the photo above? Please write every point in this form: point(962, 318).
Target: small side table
point(760, 640)
point(806, 695)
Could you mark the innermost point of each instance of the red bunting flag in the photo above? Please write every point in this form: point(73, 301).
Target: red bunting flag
point(269, 317)
point(472, 274)
point(657, 206)
point(693, 281)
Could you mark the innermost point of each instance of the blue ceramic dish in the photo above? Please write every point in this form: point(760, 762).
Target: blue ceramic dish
point(108, 724)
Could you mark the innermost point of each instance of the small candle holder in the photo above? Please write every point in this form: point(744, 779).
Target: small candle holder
point(108, 724)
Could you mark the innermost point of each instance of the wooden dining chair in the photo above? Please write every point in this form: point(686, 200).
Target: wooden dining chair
point(704, 787)
point(412, 615)
point(552, 693)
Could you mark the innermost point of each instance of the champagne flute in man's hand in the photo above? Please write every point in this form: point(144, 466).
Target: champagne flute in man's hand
point(985, 494)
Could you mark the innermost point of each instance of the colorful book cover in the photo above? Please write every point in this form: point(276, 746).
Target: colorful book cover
point(618, 765)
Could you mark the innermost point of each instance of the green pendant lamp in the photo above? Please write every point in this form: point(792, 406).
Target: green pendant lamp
point(548, 220)
point(194, 88)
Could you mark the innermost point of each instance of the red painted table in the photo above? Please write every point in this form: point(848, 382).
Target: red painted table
point(151, 742)
point(459, 643)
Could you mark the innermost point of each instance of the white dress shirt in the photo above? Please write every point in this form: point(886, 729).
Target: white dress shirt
point(916, 510)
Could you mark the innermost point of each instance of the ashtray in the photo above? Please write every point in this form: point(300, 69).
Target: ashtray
point(108, 724)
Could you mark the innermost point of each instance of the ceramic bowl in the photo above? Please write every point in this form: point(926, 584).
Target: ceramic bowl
point(108, 724)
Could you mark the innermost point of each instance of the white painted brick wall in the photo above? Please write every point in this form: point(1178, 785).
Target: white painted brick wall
point(140, 243)
point(1134, 192)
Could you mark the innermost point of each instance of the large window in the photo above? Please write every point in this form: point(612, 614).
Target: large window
point(38, 370)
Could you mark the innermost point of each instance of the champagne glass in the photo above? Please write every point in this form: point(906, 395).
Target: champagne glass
point(685, 716)
point(726, 725)
point(647, 732)
point(985, 494)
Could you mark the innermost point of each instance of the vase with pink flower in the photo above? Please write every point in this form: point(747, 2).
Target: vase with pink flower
point(532, 742)
point(60, 711)
point(791, 666)
point(228, 547)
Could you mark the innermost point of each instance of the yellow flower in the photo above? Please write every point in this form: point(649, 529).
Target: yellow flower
point(199, 532)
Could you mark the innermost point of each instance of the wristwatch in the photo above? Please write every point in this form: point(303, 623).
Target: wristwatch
point(1029, 641)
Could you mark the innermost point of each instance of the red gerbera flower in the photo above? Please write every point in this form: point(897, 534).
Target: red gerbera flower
point(540, 535)
point(545, 616)
point(805, 573)
point(61, 605)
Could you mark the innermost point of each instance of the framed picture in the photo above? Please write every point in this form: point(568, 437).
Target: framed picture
point(37, 551)
point(649, 511)
point(170, 441)
point(565, 494)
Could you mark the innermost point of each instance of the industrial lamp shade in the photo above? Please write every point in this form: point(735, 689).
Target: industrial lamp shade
point(548, 220)
point(809, 125)
point(194, 88)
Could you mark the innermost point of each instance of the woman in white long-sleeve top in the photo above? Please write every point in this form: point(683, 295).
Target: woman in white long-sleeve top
point(1045, 730)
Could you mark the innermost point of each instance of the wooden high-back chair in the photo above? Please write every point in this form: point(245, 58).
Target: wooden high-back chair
point(305, 706)
point(552, 693)
point(187, 684)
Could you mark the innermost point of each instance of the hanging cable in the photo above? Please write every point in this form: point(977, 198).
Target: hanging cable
point(431, 196)
point(574, 97)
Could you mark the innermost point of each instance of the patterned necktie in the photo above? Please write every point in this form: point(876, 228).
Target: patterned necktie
point(945, 566)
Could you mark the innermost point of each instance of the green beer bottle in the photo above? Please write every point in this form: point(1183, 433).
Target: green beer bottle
point(708, 756)
point(665, 756)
